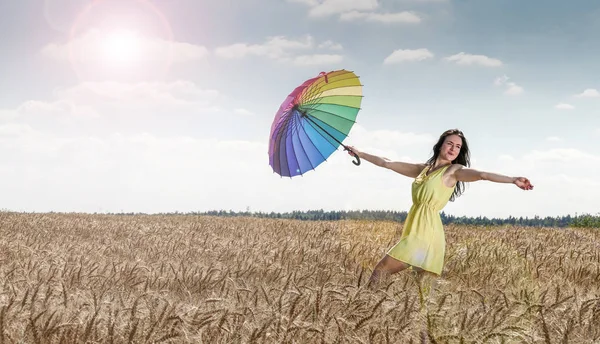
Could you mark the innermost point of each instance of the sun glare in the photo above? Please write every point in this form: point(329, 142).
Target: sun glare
point(121, 47)
point(122, 40)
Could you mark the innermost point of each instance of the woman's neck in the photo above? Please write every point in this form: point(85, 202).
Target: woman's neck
point(440, 162)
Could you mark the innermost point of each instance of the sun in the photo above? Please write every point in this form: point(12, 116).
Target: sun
point(121, 47)
point(120, 40)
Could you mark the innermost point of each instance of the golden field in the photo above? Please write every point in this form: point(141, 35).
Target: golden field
point(77, 278)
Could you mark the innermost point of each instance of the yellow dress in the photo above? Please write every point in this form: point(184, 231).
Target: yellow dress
point(423, 242)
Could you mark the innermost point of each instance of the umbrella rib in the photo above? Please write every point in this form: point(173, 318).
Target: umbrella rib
point(283, 127)
point(277, 149)
point(284, 143)
point(310, 94)
point(278, 127)
point(307, 115)
point(333, 114)
point(316, 149)
point(336, 140)
point(282, 120)
point(338, 95)
point(295, 125)
point(335, 129)
point(340, 77)
point(291, 130)
point(317, 86)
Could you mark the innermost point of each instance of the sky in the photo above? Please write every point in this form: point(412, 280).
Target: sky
point(166, 105)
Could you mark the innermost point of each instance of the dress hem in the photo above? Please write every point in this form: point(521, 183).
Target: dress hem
point(414, 265)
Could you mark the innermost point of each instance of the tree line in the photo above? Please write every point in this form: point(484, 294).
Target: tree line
point(584, 220)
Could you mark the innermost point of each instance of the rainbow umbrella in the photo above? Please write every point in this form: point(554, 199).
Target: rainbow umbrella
point(313, 121)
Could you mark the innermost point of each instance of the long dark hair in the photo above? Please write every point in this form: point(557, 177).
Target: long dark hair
point(463, 158)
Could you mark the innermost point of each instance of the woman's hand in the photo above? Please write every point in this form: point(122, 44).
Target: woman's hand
point(352, 149)
point(523, 183)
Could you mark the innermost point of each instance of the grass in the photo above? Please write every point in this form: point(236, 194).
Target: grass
point(77, 278)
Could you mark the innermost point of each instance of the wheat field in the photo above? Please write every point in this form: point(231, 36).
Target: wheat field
point(82, 278)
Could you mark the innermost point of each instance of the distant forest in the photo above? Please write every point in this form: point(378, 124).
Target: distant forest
point(585, 220)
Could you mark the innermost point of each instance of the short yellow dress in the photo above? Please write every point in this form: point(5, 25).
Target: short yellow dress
point(423, 242)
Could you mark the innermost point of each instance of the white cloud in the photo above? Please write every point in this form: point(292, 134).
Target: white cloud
point(60, 114)
point(469, 59)
point(184, 52)
point(12, 130)
point(82, 164)
point(137, 172)
point(554, 139)
point(506, 158)
point(155, 172)
point(99, 107)
point(56, 108)
point(564, 106)
point(243, 112)
point(501, 80)
point(563, 155)
point(589, 93)
point(398, 17)
point(317, 59)
point(512, 89)
point(123, 55)
point(543, 201)
point(330, 45)
point(329, 7)
point(408, 55)
point(148, 172)
point(150, 168)
point(573, 181)
point(552, 172)
point(283, 49)
point(390, 142)
point(96, 46)
point(351, 10)
point(145, 94)
point(306, 2)
point(275, 48)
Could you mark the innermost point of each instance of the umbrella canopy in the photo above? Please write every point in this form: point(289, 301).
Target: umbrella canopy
point(313, 121)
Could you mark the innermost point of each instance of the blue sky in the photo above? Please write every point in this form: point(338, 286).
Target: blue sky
point(95, 115)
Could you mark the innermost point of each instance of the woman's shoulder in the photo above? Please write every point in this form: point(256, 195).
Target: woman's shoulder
point(454, 167)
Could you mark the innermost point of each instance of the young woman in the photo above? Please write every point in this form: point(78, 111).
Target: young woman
point(441, 179)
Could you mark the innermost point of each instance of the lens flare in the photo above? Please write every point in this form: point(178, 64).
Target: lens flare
point(121, 47)
point(112, 40)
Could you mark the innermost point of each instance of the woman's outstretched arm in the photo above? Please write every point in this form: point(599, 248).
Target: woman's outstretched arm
point(471, 175)
point(404, 168)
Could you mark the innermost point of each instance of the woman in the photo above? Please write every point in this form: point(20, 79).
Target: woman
point(441, 179)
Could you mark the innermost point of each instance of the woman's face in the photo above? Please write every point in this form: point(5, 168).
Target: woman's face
point(451, 147)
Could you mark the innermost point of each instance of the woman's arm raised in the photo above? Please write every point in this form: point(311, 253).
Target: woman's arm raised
point(463, 174)
point(404, 168)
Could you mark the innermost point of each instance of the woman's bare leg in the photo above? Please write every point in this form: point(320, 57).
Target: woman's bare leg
point(386, 266)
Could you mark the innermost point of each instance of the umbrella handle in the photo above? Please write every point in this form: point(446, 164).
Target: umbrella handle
point(357, 161)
